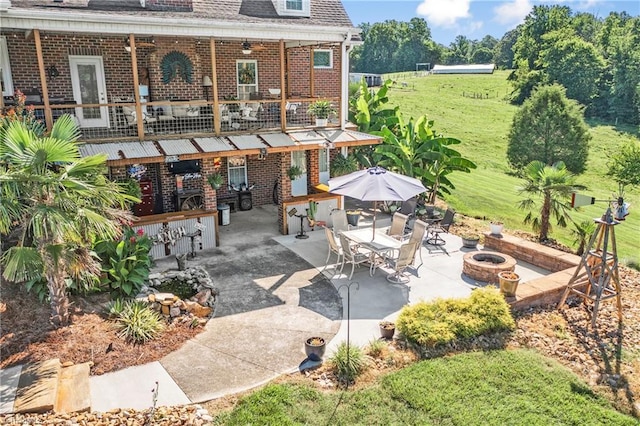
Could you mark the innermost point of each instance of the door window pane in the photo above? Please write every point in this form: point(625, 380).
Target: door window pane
point(247, 78)
point(89, 91)
point(324, 160)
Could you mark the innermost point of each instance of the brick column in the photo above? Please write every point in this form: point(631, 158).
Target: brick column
point(285, 188)
point(313, 169)
point(209, 194)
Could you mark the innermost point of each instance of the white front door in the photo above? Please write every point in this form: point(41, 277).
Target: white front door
point(323, 163)
point(299, 185)
point(87, 79)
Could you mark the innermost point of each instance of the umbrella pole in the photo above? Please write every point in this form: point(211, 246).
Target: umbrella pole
point(375, 203)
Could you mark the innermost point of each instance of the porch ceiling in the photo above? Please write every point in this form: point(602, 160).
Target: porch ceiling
point(121, 153)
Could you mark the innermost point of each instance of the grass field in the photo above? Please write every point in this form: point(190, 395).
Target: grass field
point(494, 388)
point(474, 109)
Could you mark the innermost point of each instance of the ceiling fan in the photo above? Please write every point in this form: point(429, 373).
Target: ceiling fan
point(259, 47)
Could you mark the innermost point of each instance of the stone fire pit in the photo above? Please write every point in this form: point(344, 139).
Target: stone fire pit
point(486, 265)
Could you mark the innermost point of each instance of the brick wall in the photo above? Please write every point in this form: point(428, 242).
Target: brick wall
point(56, 49)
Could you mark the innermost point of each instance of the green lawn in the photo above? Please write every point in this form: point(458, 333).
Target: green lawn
point(483, 125)
point(478, 388)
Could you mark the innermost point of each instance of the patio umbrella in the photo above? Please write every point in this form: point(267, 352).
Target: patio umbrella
point(376, 184)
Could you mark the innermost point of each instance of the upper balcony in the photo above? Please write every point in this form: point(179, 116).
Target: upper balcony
point(123, 87)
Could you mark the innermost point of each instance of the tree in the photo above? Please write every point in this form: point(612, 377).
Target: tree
point(62, 202)
point(554, 184)
point(482, 55)
point(624, 166)
point(574, 63)
point(414, 149)
point(549, 128)
point(503, 52)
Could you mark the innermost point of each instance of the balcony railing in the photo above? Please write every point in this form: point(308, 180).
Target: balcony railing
point(119, 121)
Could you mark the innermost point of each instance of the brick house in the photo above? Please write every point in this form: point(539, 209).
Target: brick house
point(175, 90)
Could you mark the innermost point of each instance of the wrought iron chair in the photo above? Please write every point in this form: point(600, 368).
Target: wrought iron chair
point(351, 254)
point(398, 224)
point(441, 227)
point(403, 261)
point(334, 248)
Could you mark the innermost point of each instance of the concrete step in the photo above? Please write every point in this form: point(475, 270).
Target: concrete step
point(74, 393)
point(38, 387)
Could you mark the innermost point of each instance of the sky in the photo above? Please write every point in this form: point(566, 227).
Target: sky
point(472, 18)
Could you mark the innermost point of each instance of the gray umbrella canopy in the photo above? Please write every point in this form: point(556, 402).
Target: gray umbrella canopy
point(376, 184)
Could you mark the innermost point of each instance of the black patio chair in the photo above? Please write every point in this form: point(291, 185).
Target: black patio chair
point(440, 227)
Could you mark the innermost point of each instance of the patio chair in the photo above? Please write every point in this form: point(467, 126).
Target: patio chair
point(351, 254)
point(441, 227)
point(408, 207)
point(339, 220)
point(334, 248)
point(405, 259)
point(398, 223)
point(417, 235)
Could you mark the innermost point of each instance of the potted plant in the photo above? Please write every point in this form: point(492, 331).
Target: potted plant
point(470, 240)
point(496, 227)
point(294, 172)
point(215, 180)
point(321, 110)
point(353, 216)
point(508, 283)
point(387, 329)
point(314, 347)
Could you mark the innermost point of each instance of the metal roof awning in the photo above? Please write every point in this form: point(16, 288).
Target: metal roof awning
point(122, 153)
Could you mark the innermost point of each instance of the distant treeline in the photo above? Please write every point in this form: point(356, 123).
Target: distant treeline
point(596, 59)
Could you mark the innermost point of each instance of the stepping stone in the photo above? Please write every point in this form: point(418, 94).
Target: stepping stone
point(38, 387)
point(74, 393)
point(9, 378)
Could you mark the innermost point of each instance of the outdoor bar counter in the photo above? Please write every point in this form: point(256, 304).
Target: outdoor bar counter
point(172, 233)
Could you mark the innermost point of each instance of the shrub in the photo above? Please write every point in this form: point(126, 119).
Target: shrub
point(376, 347)
point(115, 308)
point(349, 367)
point(138, 322)
point(444, 320)
point(125, 263)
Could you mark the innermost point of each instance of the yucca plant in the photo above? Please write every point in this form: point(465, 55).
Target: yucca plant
point(138, 322)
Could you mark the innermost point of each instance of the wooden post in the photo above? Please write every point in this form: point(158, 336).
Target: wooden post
point(136, 91)
point(214, 87)
point(283, 98)
point(312, 88)
point(48, 117)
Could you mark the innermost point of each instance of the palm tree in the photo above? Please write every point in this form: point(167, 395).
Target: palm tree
point(61, 203)
point(582, 232)
point(553, 184)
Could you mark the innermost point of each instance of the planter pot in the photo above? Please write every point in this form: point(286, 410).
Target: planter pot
point(496, 228)
point(470, 242)
point(314, 347)
point(508, 283)
point(387, 330)
point(353, 218)
point(322, 122)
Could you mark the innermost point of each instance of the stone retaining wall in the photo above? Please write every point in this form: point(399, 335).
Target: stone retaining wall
point(537, 254)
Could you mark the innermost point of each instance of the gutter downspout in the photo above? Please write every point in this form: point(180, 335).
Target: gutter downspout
point(344, 98)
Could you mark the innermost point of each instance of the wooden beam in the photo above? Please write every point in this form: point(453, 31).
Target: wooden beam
point(136, 83)
point(283, 97)
point(214, 87)
point(48, 117)
point(312, 79)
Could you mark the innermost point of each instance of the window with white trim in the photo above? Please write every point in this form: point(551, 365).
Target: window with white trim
point(247, 78)
point(237, 168)
point(323, 58)
point(6, 81)
point(294, 7)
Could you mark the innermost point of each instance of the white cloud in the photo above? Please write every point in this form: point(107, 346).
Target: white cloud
point(443, 13)
point(513, 12)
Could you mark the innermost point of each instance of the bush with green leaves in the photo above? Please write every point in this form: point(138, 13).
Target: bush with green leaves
point(349, 362)
point(125, 262)
point(376, 347)
point(138, 323)
point(444, 320)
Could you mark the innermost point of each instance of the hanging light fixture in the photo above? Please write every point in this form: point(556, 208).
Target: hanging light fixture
point(246, 47)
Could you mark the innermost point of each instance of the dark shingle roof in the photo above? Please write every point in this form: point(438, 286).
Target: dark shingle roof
point(323, 12)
